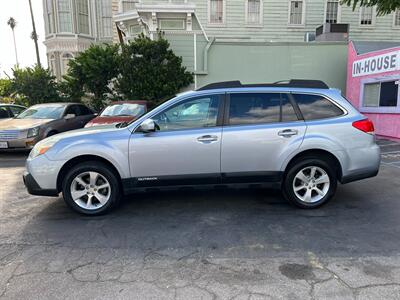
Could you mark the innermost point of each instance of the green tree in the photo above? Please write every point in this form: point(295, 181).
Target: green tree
point(91, 72)
point(5, 87)
point(35, 85)
point(149, 70)
point(383, 7)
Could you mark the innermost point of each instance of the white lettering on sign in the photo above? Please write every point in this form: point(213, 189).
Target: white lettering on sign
point(377, 64)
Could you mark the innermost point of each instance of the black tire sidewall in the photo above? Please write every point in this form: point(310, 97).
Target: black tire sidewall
point(98, 167)
point(288, 191)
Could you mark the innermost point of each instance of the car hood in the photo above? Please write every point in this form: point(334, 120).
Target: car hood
point(101, 120)
point(21, 124)
point(82, 132)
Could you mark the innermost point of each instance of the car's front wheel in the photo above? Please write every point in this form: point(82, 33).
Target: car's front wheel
point(91, 188)
point(310, 183)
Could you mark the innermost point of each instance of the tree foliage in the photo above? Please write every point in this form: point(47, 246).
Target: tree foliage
point(91, 72)
point(35, 85)
point(5, 87)
point(149, 70)
point(383, 7)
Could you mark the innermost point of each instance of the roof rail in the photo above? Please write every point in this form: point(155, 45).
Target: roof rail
point(294, 83)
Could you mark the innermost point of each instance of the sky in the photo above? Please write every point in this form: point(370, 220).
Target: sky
point(19, 10)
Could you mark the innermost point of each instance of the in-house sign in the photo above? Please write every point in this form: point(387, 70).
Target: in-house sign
point(377, 64)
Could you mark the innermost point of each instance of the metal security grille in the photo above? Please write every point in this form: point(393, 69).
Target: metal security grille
point(216, 11)
point(6, 135)
point(253, 11)
point(296, 12)
point(366, 15)
point(332, 8)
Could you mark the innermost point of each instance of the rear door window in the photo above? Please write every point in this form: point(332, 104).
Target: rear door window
point(260, 108)
point(315, 107)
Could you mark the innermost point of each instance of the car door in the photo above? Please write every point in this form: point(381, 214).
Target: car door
point(186, 147)
point(71, 123)
point(260, 131)
point(85, 115)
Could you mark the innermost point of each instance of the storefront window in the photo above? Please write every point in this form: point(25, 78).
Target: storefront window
point(381, 94)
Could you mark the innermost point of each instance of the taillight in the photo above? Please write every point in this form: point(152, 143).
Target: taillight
point(364, 125)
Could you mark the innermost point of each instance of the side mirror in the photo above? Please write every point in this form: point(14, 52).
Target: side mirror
point(69, 116)
point(148, 126)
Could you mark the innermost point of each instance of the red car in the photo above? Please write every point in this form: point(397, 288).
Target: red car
point(118, 112)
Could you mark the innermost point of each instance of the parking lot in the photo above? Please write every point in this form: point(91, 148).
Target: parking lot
point(222, 244)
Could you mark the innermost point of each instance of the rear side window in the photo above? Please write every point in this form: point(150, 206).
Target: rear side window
point(314, 107)
point(259, 108)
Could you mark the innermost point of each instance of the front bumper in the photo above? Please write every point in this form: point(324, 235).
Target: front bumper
point(34, 188)
point(21, 144)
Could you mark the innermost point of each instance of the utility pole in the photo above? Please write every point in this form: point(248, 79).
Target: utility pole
point(12, 23)
point(34, 35)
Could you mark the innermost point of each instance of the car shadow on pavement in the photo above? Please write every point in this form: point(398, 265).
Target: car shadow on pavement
point(240, 223)
point(9, 159)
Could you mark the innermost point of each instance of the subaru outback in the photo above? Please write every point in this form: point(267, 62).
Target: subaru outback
point(299, 136)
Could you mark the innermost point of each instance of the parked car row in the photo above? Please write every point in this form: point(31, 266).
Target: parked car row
point(21, 128)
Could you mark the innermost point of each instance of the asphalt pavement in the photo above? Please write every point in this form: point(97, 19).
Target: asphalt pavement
point(217, 244)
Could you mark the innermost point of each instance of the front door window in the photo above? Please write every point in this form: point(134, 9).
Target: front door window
point(195, 113)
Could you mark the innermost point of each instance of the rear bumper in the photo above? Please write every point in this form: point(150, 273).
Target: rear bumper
point(359, 176)
point(363, 163)
point(34, 188)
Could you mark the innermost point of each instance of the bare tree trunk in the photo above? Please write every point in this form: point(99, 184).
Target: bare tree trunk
point(15, 48)
point(34, 35)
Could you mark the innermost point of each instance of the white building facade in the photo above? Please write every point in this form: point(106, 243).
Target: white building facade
point(71, 26)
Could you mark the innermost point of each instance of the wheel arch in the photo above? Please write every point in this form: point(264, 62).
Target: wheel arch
point(319, 153)
point(84, 158)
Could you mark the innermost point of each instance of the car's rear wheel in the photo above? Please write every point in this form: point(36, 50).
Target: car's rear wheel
point(91, 188)
point(310, 183)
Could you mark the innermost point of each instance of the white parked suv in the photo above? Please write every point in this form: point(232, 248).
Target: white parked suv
point(299, 136)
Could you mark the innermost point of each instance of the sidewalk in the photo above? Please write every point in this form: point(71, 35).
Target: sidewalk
point(390, 151)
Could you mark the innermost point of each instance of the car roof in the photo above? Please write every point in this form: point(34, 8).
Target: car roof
point(57, 104)
point(129, 101)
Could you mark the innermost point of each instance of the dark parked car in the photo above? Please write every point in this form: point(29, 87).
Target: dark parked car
point(40, 121)
point(10, 110)
point(118, 112)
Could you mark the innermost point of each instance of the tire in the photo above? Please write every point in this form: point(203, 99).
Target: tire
point(307, 193)
point(94, 180)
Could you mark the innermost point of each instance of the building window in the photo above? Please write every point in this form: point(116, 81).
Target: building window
point(366, 15)
point(332, 12)
point(128, 5)
point(171, 24)
point(64, 16)
point(216, 11)
point(64, 62)
point(381, 94)
point(253, 11)
point(50, 16)
point(135, 30)
point(106, 18)
point(83, 16)
point(296, 12)
point(397, 18)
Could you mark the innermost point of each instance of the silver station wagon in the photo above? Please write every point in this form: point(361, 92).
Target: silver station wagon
point(299, 136)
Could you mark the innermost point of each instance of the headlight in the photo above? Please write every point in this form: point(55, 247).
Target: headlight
point(42, 147)
point(32, 132)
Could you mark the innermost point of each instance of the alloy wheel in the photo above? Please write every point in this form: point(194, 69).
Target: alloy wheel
point(90, 190)
point(311, 184)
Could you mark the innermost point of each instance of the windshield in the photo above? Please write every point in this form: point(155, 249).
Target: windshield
point(42, 112)
point(124, 109)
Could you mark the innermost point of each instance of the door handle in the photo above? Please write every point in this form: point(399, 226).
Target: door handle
point(288, 132)
point(207, 138)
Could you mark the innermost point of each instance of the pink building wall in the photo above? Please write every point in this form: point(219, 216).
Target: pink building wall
point(386, 124)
